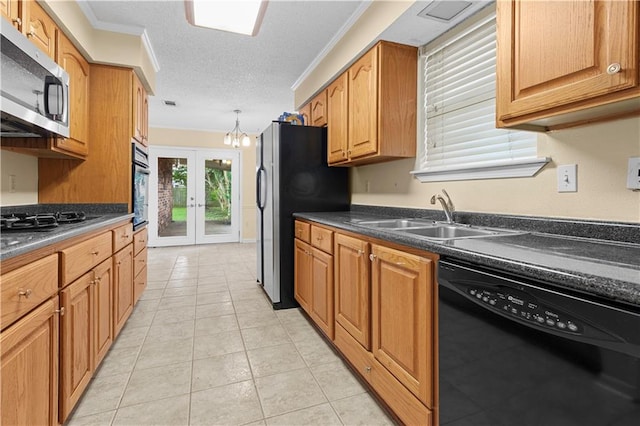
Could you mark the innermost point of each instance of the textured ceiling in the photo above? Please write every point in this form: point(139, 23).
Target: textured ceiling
point(210, 73)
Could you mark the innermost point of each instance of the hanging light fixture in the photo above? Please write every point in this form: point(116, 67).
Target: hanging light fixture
point(235, 136)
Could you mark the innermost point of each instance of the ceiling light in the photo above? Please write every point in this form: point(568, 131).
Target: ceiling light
point(238, 16)
point(236, 135)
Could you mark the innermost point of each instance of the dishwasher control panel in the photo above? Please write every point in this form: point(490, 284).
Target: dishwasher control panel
point(525, 308)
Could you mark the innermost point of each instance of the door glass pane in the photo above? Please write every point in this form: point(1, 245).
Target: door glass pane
point(172, 197)
point(217, 187)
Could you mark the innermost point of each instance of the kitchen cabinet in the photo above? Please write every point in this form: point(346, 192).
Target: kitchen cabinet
point(561, 64)
point(140, 263)
point(381, 106)
point(353, 287)
point(305, 111)
point(39, 28)
point(10, 10)
point(29, 368)
point(140, 108)
point(78, 69)
point(122, 288)
point(319, 109)
point(105, 175)
point(102, 310)
point(337, 130)
point(313, 271)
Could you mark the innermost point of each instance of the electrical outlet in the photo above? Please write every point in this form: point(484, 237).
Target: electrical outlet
point(633, 174)
point(568, 178)
point(12, 183)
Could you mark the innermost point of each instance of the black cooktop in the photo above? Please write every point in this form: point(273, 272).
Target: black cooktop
point(28, 221)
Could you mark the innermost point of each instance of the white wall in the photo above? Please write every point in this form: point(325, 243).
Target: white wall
point(25, 170)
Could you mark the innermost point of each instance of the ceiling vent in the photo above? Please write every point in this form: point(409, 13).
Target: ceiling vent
point(444, 11)
point(169, 103)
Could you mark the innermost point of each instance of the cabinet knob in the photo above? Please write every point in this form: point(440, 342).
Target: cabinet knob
point(367, 369)
point(25, 293)
point(17, 21)
point(125, 236)
point(60, 311)
point(613, 68)
point(319, 238)
point(360, 253)
point(31, 34)
point(95, 253)
point(372, 257)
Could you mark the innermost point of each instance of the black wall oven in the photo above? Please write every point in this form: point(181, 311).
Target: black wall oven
point(516, 352)
point(140, 190)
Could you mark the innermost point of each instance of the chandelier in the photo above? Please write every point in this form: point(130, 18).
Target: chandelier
point(236, 135)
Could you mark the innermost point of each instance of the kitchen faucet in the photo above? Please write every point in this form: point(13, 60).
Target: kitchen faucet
point(447, 205)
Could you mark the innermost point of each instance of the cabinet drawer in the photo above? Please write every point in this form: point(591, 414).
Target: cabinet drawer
point(78, 259)
point(139, 284)
point(303, 231)
point(122, 236)
point(139, 262)
point(403, 403)
point(139, 240)
point(25, 288)
point(322, 238)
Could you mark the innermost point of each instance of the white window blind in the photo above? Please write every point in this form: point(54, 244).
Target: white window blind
point(460, 138)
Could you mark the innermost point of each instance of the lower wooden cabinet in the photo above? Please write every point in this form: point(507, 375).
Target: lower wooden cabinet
point(384, 315)
point(29, 371)
point(122, 287)
point(102, 310)
point(139, 263)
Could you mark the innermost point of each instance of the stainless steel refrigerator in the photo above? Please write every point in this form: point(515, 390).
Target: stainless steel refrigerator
point(292, 176)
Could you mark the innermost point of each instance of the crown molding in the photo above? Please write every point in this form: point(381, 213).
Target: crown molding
point(332, 43)
point(122, 29)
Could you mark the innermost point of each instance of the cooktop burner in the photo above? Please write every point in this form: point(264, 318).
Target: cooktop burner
point(27, 221)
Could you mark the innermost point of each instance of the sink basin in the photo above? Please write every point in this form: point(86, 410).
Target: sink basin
point(396, 223)
point(444, 231)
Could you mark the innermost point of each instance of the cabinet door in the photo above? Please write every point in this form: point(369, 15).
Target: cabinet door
point(138, 100)
point(29, 358)
point(76, 342)
point(302, 274)
point(145, 119)
point(322, 291)
point(352, 287)
point(402, 318)
point(363, 106)
point(337, 131)
point(122, 287)
point(102, 310)
point(39, 28)
point(10, 11)
point(305, 111)
point(319, 109)
point(556, 53)
point(78, 69)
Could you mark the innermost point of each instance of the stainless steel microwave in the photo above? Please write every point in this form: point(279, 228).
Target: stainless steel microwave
point(35, 90)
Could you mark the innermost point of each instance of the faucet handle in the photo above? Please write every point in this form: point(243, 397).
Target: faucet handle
point(449, 202)
point(433, 199)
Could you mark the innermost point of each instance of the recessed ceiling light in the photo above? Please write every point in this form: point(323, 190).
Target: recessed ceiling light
point(444, 10)
point(169, 103)
point(242, 17)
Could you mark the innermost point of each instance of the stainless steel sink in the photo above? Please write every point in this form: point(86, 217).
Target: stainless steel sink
point(445, 231)
point(396, 223)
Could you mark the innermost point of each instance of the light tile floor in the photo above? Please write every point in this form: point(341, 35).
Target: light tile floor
point(204, 347)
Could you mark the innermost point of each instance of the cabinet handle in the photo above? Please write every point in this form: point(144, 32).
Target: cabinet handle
point(372, 257)
point(319, 238)
point(60, 311)
point(367, 369)
point(17, 21)
point(360, 253)
point(25, 293)
point(95, 253)
point(613, 68)
point(125, 236)
point(31, 34)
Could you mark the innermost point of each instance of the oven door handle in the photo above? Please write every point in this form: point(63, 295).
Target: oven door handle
point(144, 171)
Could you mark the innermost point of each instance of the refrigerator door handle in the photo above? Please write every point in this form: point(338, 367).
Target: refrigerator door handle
point(258, 190)
point(260, 196)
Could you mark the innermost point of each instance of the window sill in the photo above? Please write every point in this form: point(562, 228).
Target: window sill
point(523, 168)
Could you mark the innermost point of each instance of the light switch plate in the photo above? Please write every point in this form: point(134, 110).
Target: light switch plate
point(633, 173)
point(568, 178)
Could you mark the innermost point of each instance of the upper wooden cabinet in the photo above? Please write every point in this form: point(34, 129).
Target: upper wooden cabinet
point(337, 130)
point(140, 107)
point(39, 27)
point(10, 10)
point(566, 63)
point(319, 109)
point(381, 102)
point(78, 69)
point(305, 111)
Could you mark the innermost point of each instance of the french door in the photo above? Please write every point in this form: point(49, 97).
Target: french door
point(194, 196)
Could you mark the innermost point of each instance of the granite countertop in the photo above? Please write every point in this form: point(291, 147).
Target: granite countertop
point(15, 243)
point(608, 269)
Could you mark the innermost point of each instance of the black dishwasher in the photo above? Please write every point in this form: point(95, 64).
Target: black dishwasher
point(513, 351)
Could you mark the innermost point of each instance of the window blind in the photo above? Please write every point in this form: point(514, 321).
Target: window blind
point(459, 108)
